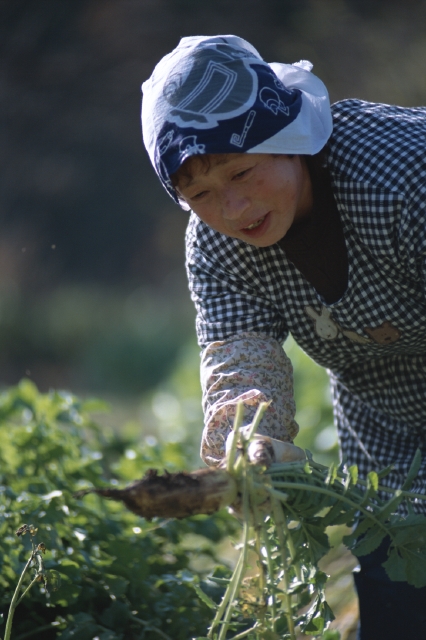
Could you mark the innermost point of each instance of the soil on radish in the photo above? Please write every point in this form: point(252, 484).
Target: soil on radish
point(174, 495)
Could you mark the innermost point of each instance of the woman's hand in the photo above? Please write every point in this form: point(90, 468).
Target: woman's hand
point(264, 450)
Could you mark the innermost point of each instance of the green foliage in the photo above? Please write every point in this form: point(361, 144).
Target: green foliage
point(121, 577)
point(304, 499)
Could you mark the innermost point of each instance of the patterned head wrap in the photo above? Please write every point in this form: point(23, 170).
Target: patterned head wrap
point(217, 95)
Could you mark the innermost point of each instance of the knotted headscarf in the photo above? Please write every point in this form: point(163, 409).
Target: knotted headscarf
point(217, 95)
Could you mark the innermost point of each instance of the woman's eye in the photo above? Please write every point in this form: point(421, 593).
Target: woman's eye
point(199, 195)
point(240, 174)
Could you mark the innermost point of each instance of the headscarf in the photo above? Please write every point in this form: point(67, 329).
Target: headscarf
point(215, 94)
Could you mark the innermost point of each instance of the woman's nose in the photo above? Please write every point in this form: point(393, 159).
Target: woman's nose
point(234, 204)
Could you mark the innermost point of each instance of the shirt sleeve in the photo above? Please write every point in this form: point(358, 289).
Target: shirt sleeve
point(229, 282)
point(251, 367)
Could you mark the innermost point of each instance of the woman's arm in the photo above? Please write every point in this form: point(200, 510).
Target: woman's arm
point(251, 367)
point(241, 333)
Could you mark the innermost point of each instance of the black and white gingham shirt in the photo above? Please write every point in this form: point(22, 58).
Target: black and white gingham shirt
point(372, 340)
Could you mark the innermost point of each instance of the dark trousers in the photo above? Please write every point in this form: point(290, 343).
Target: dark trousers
point(388, 610)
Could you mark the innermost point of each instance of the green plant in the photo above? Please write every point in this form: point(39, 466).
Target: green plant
point(304, 499)
point(50, 579)
point(122, 577)
point(128, 578)
point(286, 510)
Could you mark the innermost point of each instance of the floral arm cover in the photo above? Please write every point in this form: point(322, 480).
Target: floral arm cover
point(251, 367)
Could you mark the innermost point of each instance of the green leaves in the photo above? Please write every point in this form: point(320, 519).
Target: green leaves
point(331, 634)
point(333, 496)
point(366, 543)
point(316, 540)
point(407, 564)
point(410, 530)
point(407, 557)
point(121, 577)
point(312, 498)
point(413, 471)
point(318, 617)
point(373, 482)
point(118, 575)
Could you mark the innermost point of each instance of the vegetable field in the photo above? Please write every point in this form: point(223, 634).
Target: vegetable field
point(100, 571)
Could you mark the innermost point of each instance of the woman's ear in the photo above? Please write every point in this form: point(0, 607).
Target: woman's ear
point(183, 203)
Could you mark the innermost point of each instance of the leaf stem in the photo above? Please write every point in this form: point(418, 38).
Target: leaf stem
point(28, 588)
point(304, 487)
point(15, 599)
point(143, 623)
point(221, 608)
point(279, 517)
point(235, 584)
point(36, 631)
point(267, 547)
point(224, 611)
point(290, 543)
point(257, 527)
point(256, 420)
point(230, 461)
point(321, 470)
point(245, 633)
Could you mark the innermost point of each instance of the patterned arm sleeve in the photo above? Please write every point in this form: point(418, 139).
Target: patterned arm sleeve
point(251, 367)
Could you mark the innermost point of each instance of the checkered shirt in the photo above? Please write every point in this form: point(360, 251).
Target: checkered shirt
point(373, 340)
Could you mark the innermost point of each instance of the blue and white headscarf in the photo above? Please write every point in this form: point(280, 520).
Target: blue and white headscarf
point(217, 95)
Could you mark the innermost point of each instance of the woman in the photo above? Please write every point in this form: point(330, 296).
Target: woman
point(306, 219)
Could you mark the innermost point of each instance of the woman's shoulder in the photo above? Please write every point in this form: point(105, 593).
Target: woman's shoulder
point(379, 144)
point(362, 112)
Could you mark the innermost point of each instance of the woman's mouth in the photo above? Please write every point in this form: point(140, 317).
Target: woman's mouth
point(257, 228)
point(253, 225)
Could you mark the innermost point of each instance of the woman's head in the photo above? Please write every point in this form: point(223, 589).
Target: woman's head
point(215, 95)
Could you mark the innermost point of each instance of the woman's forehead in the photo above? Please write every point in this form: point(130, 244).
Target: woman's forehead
point(201, 164)
point(209, 159)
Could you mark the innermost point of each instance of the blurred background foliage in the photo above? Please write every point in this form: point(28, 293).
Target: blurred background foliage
point(92, 284)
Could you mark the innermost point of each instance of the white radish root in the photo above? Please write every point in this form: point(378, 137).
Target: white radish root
point(174, 495)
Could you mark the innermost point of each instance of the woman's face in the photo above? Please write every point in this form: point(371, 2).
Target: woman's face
point(254, 197)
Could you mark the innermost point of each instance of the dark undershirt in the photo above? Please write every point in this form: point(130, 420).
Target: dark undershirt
point(316, 245)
